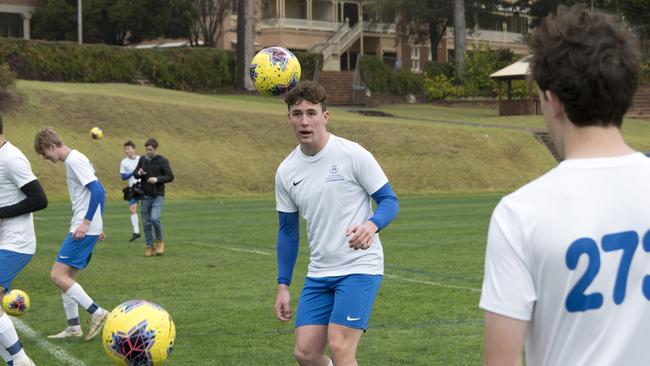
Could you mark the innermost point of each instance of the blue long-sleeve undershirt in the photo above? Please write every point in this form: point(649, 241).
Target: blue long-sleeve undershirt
point(126, 176)
point(387, 206)
point(97, 198)
point(287, 245)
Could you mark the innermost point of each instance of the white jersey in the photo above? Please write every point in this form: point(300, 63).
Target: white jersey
point(570, 254)
point(331, 190)
point(16, 233)
point(79, 172)
point(127, 166)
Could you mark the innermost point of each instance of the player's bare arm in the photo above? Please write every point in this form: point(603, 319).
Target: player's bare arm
point(504, 340)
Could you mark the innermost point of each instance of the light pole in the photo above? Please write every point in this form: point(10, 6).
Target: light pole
point(79, 23)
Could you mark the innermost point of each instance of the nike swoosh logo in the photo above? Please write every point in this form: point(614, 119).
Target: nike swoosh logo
point(298, 182)
point(63, 257)
point(352, 319)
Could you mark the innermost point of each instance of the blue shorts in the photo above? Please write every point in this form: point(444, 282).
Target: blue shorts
point(77, 253)
point(343, 300)
point(133, 201)
point(10, 264)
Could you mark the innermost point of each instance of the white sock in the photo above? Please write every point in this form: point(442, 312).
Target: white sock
point(71, 309)
point(134, 223)
point(330, 363)
point(9, 338)
point(77, 293)
point(6, 357)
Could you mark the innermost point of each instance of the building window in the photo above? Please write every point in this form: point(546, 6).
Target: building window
point(415, 58)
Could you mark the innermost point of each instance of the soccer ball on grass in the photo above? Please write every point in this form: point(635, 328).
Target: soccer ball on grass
point(96, 133)
point(15, 302)
point(274, 71)
point(139, 332)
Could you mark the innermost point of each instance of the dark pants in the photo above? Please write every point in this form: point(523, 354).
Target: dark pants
point(150, 211)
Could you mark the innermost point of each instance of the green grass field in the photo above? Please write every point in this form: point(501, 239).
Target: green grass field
point(217, 280)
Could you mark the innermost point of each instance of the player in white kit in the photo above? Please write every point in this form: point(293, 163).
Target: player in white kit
point(86, 228)
point(20, 195)
point(127, 168)
point(567, 269)
point(329, 181)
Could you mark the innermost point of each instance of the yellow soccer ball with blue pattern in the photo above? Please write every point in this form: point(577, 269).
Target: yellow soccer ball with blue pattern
point(16, 303)
point(274, 71)
point(139, 332)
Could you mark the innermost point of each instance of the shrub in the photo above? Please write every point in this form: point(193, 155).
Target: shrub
point(380, 78)
point(309, 62)
point(375, 74)
point(440, 87)
point(439, 68)
point(645, 72)
point(7, 77)
point(404, 82)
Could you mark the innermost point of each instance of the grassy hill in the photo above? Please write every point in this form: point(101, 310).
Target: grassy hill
point(231, 145)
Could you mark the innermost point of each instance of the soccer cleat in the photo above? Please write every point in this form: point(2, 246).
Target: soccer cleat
point(134, 236)
point(148, 251)
point(160, 247)
point(66, 333)
point(24, 362)
point(96, 323)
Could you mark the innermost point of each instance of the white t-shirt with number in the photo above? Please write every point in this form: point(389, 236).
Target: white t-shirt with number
point(570, 254)
point(79, 172)
point(331, 190)
point(127, 166)
point(16, 233)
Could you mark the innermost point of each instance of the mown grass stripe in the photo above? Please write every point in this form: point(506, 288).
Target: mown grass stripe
point(59, 353)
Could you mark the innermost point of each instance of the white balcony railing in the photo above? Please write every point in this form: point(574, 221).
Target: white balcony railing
point(490, 36)
point(300, 24)
point(323, 25)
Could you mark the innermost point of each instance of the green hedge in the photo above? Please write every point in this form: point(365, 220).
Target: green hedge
point(645, 71)
point(191, 69)
point(380, 78)
point(200, 69)
point(309, 62)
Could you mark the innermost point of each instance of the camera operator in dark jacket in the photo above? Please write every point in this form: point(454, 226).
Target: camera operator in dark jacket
point(154, 172)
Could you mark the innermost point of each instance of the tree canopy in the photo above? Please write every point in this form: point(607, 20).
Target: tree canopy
point(422, 20)
point(114, 21)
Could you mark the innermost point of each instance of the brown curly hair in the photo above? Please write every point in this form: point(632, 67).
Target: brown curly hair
point(307, 90)
point(589, 61)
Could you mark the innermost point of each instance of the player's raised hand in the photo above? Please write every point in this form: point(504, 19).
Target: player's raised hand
point(283, 303)
point(361, 236)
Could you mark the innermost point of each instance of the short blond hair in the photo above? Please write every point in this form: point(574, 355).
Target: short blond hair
point(45, 139)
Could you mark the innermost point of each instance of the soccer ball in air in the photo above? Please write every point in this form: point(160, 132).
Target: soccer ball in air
point(139, 332)
point(274, 71)
point(15, 302)
point(96, 133)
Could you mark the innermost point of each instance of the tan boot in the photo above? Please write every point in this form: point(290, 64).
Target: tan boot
point(148, 251)
point(160, 247)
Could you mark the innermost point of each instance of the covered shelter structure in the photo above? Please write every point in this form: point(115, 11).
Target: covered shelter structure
point(511, 106)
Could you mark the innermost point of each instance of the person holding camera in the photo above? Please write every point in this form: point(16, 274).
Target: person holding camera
point(127, 168)
point(154, 172)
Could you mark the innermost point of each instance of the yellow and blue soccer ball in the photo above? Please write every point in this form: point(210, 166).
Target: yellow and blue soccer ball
point(139, 332)
point(16, 303)
point(274, 71)
point(96, 133)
